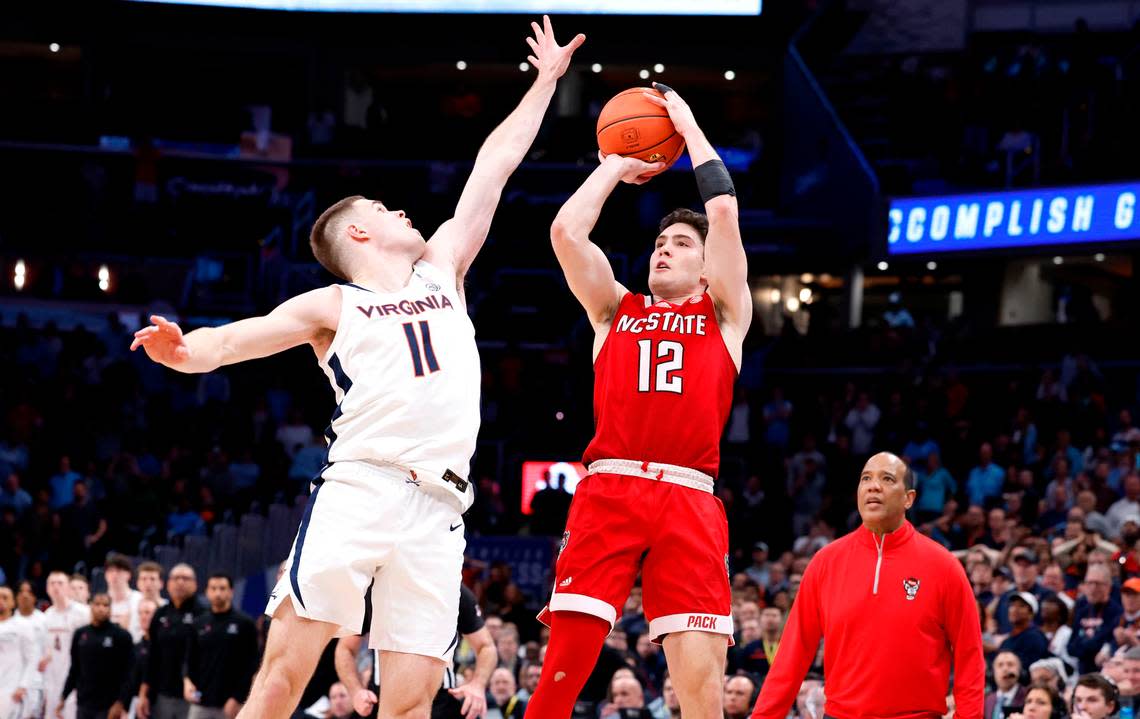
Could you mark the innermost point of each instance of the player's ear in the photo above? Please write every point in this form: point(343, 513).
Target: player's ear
point(357, 233)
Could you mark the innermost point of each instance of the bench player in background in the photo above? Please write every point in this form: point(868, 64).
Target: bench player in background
point(664, 367)
point(383, 523)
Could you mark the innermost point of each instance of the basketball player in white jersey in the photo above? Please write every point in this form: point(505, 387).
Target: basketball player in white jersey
point(383, 523)
point(17, 657)
point(27, 614)
point(61, 619)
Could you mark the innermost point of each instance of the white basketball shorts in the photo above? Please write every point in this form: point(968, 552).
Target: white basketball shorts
point(373, 541)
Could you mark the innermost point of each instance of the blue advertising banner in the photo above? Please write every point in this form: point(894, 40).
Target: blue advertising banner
point(531, 560)
point(1017, 219)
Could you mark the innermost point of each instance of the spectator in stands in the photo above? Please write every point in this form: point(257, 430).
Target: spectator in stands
point(1127, 631)
point(1094, 619)
point(124, 600)
point(627, 699)
point(758, 571)
point(221, 656)
point(778, 420)
point(1095, 697)
point(82, 526)
point(1049, 672)
point(668, 706)
point(294, 433)
point(1132, 670)
point(101, 657)
point(528, 681)
point(650, 662)
point(1055, 625)
point(507, 645)
point(1042, 701)
point(148, 580)
point(861, 421)
point(504, 704)
point(1023, 562)
point(308, 460)
point(172, 629)
point(934, 485)
point(13, 496)
point(1025, 640)
point(1009, 692)
point(986, 479)
point(62, 484)
point(340, 704)
point(1127, 506)
point(739, 694)
point(809, 696)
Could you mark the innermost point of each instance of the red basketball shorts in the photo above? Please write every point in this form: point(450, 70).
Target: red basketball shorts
point(677, 536)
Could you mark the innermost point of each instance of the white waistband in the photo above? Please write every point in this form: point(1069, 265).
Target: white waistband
point(671, 473)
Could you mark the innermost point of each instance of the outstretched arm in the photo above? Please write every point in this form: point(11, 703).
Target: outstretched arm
point(726, 263)
point(306, 318)
point(458, 240)
point(586, 267)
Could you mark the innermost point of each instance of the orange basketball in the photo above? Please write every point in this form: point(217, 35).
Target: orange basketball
point(632, 126)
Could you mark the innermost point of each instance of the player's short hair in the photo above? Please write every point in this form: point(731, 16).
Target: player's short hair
point(323, 239)
point(221, 575)
point(117, 561)
point(697, 220)
point(908, 478)
point(80, 577)
point(149, 566)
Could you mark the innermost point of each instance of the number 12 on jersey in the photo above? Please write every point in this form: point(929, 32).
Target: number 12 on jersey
point(671, 355)
point(414, 348)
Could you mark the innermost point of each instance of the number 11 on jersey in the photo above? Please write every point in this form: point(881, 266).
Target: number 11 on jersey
point(675, 351)
point(414, 347)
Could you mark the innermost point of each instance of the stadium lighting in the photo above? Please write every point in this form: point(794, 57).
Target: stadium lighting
point(644, 74)
point(596, 67)
point(19, 276)
point(932, 265)
point(461, 65)
point(104, 278)
point(883, 266)
point(807, 278)
point(792, 304)
point(524, 66)
point(659, 68)
point(729, 74)
point(805, 295)
point(1058, 260)
point(559, 415)
point(54, 47)
point(774, 296)
point(1099, 257)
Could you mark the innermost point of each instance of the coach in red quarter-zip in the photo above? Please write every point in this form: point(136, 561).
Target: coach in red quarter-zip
point(895, 611)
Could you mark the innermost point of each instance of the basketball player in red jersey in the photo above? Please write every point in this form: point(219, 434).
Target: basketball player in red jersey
point(664, 367)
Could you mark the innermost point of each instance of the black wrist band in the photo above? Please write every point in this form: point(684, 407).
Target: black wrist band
point(713, 180)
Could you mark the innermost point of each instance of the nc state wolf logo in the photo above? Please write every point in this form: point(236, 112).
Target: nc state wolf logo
point(910, 586)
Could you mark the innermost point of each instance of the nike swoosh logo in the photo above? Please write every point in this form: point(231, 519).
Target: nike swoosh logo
point(457, 526)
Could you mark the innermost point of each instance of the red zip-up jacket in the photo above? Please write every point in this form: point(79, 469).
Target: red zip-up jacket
point(895, 614)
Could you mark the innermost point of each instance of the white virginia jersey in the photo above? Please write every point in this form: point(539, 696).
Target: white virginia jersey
point(60, 625)
point(405, 370)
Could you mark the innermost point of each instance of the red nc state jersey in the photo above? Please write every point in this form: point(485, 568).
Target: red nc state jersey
point(662, 385)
